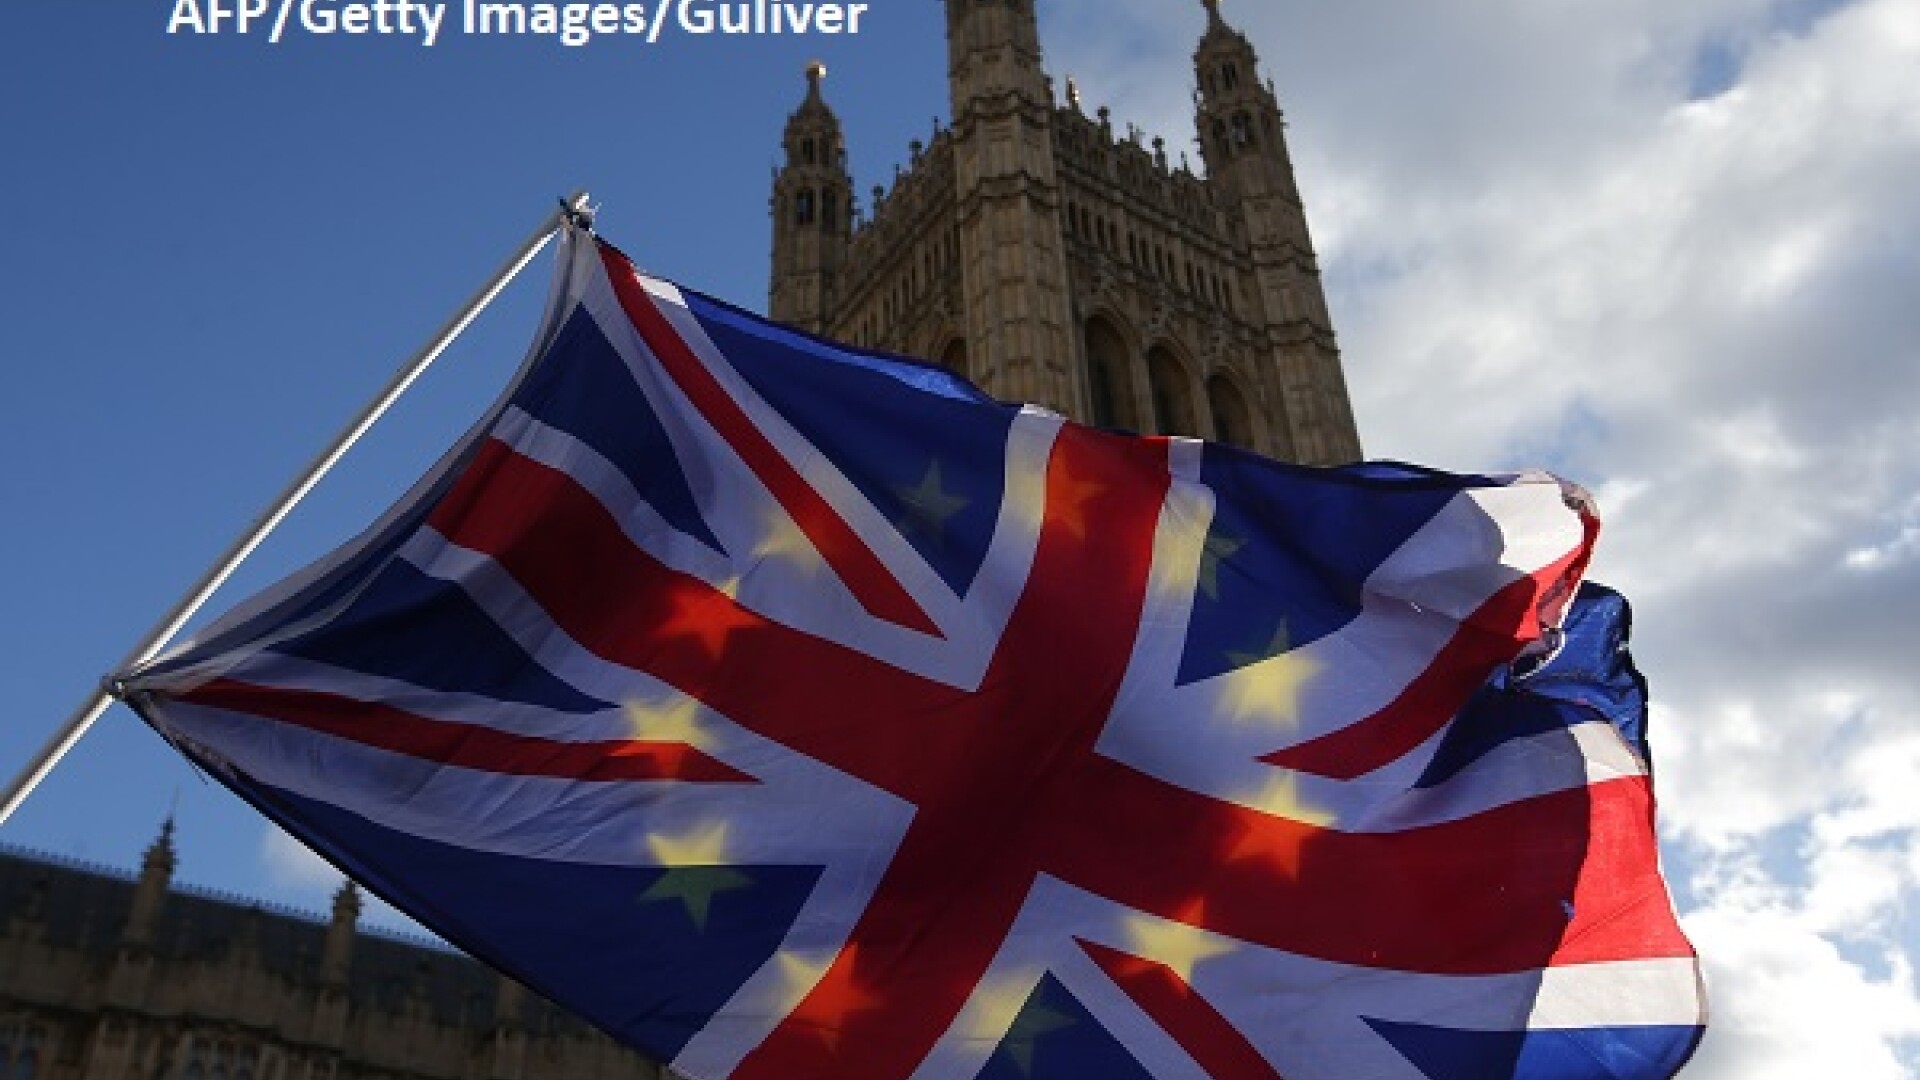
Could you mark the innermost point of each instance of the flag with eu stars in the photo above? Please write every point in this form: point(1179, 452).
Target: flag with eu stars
point(791, 711)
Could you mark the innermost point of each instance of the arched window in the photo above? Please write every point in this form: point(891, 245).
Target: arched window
point(1242, 130)
point(803, 208)
point(1100, 385)
point(1109, 389)
point(827, 208)
point(806, 151)
point(1232, 421)
point(1172, 396)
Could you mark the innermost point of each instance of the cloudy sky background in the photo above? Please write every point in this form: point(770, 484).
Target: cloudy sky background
point(1669, 250)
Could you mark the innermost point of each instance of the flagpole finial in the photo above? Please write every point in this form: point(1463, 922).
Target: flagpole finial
point(576, 211)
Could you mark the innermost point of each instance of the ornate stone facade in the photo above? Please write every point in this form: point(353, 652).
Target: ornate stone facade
point(105, 977)
point(1050, 259)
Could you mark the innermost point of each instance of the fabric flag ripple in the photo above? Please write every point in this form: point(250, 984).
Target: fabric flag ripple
point(793, 711)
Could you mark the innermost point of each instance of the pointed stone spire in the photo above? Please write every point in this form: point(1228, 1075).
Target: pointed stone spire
point(337, 957)
point(160, 856)
point(150, 891)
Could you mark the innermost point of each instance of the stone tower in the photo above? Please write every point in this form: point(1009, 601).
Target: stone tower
point(812, 209)
point(1052, 259)
point(1242, 139)
point(1015, 313)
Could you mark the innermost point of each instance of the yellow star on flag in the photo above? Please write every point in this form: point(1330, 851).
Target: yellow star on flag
point(1070, 498)
point(929, 507)
point(1265, 687)
point(695, 872)
point(1282, 844)
point(996, 1005)
point(812, 994)
point(1182, 529)
point(1218, 549)
point(797, 976)
point(1175, 944)
point(1280, 796)
point(699, 613)
point(1027, 497)
point(669, 722)
point(1024, 1034)
point(784, 540)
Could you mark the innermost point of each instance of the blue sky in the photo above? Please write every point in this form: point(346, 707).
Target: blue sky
point(1666, 249)
point(218, 249)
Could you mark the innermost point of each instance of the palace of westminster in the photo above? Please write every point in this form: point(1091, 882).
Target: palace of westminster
point(1028, 247)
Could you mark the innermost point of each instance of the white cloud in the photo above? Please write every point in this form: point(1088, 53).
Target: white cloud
point(1788, 1005)
point(298, 877)
point(292, 867)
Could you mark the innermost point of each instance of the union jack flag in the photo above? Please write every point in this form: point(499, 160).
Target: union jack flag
point(791, 711)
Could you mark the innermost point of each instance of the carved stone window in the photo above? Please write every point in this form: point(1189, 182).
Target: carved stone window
point(1172, 399)
point(1108, 387)
point(1242, 130)
point(1232, 421)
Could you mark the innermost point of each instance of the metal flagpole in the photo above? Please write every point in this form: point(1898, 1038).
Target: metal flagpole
point(163, 632)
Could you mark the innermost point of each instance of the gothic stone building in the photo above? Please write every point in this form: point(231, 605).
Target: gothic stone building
point(1049, 259)
point(106, 977)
